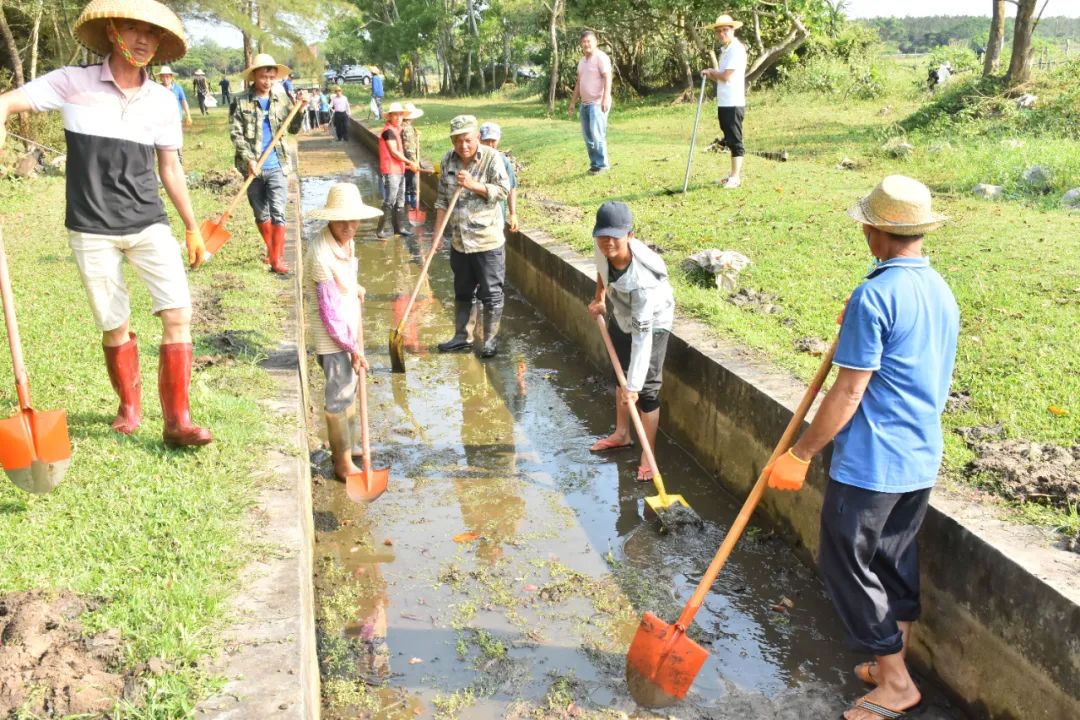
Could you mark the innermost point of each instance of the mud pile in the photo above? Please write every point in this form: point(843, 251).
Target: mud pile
point(1026, 470)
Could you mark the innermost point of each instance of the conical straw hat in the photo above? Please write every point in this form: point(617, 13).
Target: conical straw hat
point(90, 27)
point(899, 205)
point(264, 60)
point(343, 202)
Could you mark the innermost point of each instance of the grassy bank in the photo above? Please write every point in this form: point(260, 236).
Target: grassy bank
point(158, 536)
point(1012, 263)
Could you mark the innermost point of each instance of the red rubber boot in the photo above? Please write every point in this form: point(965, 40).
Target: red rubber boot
point(174, 377)
point(267, 236)
point(277, 250)
point(122, 363)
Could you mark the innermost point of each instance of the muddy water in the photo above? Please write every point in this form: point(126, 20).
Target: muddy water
point(504, 572)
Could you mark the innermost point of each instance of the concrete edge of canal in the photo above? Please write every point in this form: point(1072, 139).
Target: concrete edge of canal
point(1001, 604)
point(270, 664)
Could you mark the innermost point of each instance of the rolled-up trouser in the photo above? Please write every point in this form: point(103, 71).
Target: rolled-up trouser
point(268, 195)
point(340, 381)
point(411, 198)
point(869, 561)
point(393, 191)
point(731, 119)
point(649, 395)
point(155, 255)
point(594, 129)
point(479, 274)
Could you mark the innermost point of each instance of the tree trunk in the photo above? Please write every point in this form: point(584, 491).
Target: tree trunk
point(16, 65)
point(772, 55)
point(1020, 64)
point(683, 53)
point(997, 38)
point(707, 52)
point(35, 36)
point(553, 34)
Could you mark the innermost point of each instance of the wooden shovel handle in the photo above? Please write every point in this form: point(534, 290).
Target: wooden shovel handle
point(22, 382)
point(430, 256)
point(634, 416)
point(737, 527)
point(362, 389)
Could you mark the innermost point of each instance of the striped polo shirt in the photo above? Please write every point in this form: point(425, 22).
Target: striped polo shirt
point(112, 188)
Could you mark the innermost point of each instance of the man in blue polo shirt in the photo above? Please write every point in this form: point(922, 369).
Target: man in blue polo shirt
point(883, 414)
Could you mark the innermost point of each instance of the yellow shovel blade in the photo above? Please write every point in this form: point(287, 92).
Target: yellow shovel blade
point(397, 351)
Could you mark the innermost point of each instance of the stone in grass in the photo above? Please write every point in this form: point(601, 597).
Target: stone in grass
point(847, 164)
point(1037, 178)
point(898, 148)
point(989, 192)
point(811, 345)
point(1071, 199)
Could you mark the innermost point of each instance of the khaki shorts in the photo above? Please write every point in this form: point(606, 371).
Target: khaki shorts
point(155, 255)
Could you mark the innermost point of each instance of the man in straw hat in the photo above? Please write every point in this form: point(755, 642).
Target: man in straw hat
point(202, 89)
point(477, 252)
point(115, 117)
point(410, 139)
point(883, 414)
point(377, 91)
point(254, 123)
point(334, 308)
point(392, 166)
point(168, 79)
point(730, 79)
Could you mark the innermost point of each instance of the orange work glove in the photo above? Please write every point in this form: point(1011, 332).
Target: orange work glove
point(196, 248)
point(787, 472)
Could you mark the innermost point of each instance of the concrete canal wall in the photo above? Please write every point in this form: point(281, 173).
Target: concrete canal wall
point(1001, 606)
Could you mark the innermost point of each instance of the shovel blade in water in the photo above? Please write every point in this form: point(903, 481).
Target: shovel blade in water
point(662, 500)
point(662, 663)
point(214, 235)
point(397, 351)
point(365, 487)
point(35, 449)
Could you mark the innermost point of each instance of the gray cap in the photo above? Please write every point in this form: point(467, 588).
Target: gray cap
point(613, 219)
point(490, 131)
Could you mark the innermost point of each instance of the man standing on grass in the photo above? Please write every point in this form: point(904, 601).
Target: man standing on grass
point(254, 124)
point(377, 91)
point(896, 353)
point(225, 97)
point(730, 80)
point(392, 166)
point(477, 242)
point(202, 89)
point(593, 88)
point(117, 121)
point(168, 79)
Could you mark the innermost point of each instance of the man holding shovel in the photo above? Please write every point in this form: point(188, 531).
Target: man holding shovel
point(477, 248)
point(730, 79)
point(334, 301)
point(115, 117)
point(254, 124)
point(895, 356)
point(644, 309)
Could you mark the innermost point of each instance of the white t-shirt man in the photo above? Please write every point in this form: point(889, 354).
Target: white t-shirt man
point(733, 92)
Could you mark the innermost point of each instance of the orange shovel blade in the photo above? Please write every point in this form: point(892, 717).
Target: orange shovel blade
point(662, 663)
point(418, 217)
point(214, 235)
point(364, 487)
point(16, 444)
point(51, 440)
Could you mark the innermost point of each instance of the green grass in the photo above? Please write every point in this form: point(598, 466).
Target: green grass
point(1011, 263)
point(157, 535)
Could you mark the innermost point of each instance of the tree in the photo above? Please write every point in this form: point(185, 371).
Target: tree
point(997, 39)
point(555, 10)
point(1023, 29)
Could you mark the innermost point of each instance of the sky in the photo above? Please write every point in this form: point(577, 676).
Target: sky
point(917, 8)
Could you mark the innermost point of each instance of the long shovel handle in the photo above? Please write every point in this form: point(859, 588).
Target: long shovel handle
point(634, 416)
point(362, 390)
point(737, 527)
point(693, 135)
point(430, 256)
point(22, 382)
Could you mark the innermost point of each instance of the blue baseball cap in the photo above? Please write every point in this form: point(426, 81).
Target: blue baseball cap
point(613, 219)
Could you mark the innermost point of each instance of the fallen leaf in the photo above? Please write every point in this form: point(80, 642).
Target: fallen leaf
point(1055, 410)
point(530, 588)
point(415, 661)
point(466, 537)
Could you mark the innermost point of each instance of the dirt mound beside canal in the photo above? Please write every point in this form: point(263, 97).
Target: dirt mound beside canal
point(1027, 471)
point(48, 668)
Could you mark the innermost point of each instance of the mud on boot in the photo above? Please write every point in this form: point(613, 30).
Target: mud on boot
point(356, 440)
point(340, 440)
point(401, 223)
point(492, 320)
point(383, 231)
point(463, 322)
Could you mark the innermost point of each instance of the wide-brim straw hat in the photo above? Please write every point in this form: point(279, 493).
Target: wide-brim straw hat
point(396, 107)
point(264, 60)
point(414, 112)
point(165, 70)
point(199, 72)
point(899, 205)
point(344, 203)
point(725, 21)
point(90, 28)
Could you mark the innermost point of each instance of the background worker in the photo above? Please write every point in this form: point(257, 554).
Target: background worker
point(730, 79)
point(168, 79)
point(895, 356)
point(202, 89)
point(392, 166)
point(410, 138)
point(254, 124)
point(593, 88)
point(477, 242)
point(490, 135)
point(335, 294)
point(115, 117)
point(643, 310)
point(339, 107)
point(226, 98)
point(377, 91)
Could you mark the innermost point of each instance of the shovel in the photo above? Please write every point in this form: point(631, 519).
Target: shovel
point(662, 500)
point(213, 232)
point(397, 339)
point(693, 136)
point(662, 661)
point(35, 449)
point(368, 484)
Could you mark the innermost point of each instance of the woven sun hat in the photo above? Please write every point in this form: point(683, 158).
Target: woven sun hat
point(725, 21)
point(264, 60)
point(199, 72)
point(396, 107)
point(414, 112)
point(490, 131)
point(165, 70)
point(899, 205)
point(344, 203)
point(90, 28)
point(374, 70)
point(462, 124)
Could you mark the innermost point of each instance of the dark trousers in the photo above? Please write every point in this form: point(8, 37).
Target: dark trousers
point(479, 274)
point(341, 128)
point(225, 97)
point(731, 125)
point(411, 197)
point(869, 561)
point(649, 397)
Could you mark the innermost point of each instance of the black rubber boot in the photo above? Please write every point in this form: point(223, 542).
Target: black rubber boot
point(383, 231)
point(462, 340)
point(492, 320)
point(401, 223)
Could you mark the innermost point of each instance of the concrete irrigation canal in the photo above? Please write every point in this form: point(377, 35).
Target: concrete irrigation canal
point(504, 572)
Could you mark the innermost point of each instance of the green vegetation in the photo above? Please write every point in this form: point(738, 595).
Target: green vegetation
point(158, 536)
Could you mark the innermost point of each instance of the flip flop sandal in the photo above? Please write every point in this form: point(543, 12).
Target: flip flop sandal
point(863, 671)
point(605, 445)
point(644, 474)
point(888, 713)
